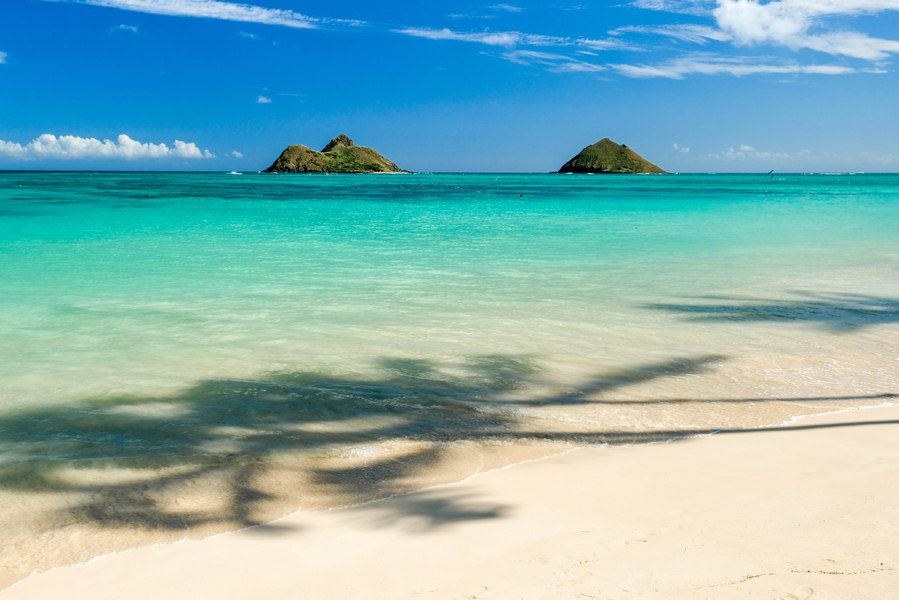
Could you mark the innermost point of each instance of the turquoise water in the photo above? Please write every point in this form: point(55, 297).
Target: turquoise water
point(155, 324)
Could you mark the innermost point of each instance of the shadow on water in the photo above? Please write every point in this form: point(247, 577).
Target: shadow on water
point(231, 430)
point(837, 312)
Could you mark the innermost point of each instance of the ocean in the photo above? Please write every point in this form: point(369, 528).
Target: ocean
point(185, 354)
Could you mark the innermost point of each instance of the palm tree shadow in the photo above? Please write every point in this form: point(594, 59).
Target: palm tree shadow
point(427, 511)
point(222, 438)
point(838, 312)
point(380, 477)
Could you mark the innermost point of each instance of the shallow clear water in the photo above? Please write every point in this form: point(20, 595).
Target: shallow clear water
point(174, 346)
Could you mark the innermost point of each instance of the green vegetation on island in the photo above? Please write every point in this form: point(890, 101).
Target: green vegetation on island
point(341, 155)
point(605, 156)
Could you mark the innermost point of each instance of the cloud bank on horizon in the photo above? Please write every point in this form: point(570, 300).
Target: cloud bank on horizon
point(794, 24)
point(70, 147)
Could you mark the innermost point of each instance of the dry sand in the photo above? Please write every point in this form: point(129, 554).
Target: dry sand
point(809, 510)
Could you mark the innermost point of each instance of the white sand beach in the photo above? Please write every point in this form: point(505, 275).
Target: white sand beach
point(806, 510)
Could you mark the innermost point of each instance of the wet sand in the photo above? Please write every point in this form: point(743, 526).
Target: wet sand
point(806, 510)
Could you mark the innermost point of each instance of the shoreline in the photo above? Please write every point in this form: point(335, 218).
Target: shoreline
point(459, 465)
point(287, 486)
point(139, 562)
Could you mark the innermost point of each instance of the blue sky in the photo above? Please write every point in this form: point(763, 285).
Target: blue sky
point(693, 85)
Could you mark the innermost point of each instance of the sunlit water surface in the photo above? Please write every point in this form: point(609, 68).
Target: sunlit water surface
point(184, 354)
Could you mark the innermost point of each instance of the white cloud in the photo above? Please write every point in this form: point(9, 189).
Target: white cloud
point(576, 66)
point(687, 7)
point(3, 56)
point(131, 28)
point(605, 44)
point(747, 152)
point(10, 149)
point(678, 148)
point(235, 154)
point(263, 100)
point(697, 34)
point(73, 147)
point(741, 22)
point(510, 39)
point(711, 64)
point(848, 43)
point(506, 7)
point(557, 63)
point(789, 22)
point(796, 24)
point(527, 57)
point(251, 36)
point(184, 150)
point(506, 39)
point(212, 9)
point(466, 16)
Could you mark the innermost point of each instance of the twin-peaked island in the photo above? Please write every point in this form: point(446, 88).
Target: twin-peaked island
point(341, 155)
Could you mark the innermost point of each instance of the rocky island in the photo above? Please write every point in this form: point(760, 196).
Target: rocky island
point(605, 156)
point(341, 155)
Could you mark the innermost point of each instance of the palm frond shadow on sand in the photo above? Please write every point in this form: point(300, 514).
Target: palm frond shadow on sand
point(230, 431)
